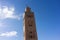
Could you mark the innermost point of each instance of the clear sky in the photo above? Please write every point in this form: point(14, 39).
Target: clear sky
point(47, 15)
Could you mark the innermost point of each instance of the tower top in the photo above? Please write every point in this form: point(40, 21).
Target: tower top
point(27, 9)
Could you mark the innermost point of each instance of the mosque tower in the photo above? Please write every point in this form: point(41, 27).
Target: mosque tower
point(29, 27)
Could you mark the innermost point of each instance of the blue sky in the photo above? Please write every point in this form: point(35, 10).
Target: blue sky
point(47, 15)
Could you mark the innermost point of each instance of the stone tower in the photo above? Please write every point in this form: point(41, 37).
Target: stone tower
point(29, 25)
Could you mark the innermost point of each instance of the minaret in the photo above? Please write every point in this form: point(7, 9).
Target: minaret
point(29, 25)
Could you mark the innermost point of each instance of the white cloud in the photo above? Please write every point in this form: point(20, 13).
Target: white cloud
point(8, 34)
point(6, 12)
